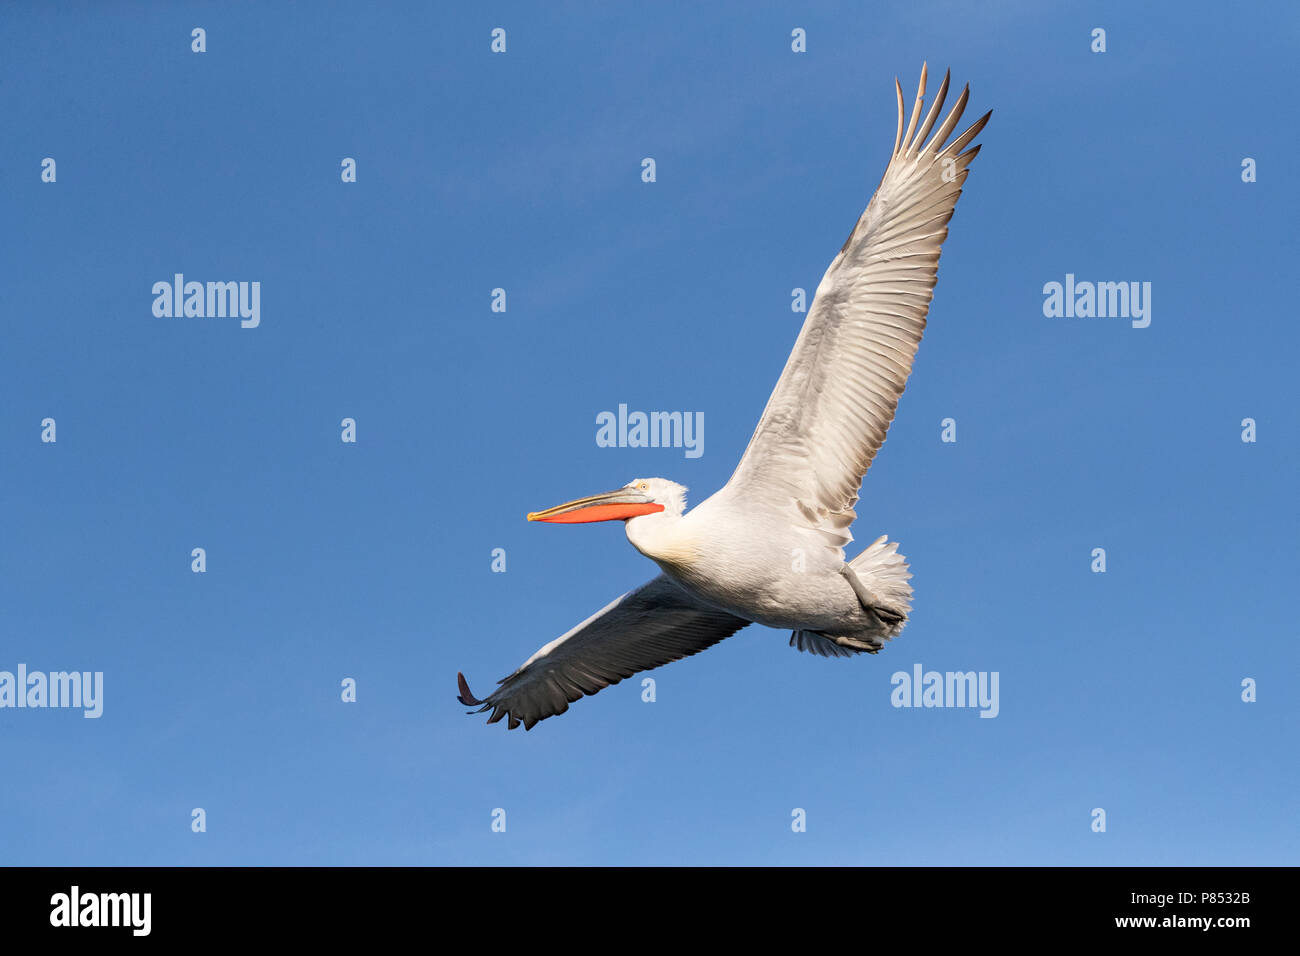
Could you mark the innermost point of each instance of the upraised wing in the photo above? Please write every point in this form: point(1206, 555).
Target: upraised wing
point(830, 410)
point(653, 625)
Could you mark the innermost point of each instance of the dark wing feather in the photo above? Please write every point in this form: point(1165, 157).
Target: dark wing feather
point(657, 623)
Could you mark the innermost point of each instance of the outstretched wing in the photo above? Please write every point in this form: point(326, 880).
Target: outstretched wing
point(657, 623)
point(833, 404)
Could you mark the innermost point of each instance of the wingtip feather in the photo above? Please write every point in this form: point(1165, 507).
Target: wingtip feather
point(898, 137)
point(916, 110)
point(466, 696)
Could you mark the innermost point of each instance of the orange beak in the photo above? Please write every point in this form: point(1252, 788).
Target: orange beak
point(611, 506)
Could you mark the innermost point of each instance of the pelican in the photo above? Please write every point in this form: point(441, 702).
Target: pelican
point(768, 548)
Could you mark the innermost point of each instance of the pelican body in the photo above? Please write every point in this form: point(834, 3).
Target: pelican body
point(768, 548)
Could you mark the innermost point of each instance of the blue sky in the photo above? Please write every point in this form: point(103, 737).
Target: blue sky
point(522, 171)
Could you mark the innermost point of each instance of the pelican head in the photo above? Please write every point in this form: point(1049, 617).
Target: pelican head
point(641, 496)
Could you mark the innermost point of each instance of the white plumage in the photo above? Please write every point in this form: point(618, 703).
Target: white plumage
point(769, 546)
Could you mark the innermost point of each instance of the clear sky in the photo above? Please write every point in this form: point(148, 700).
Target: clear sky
point(522, 170)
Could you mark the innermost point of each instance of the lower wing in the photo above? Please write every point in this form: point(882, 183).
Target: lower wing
point(657, 623)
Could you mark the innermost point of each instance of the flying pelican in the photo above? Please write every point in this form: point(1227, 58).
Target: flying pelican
point(769, 546)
